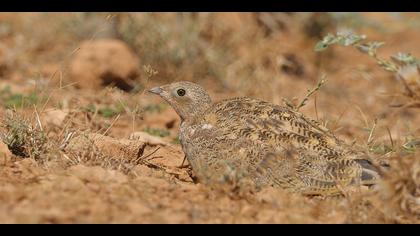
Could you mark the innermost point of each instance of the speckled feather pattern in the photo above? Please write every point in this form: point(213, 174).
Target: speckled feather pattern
point(271, 144)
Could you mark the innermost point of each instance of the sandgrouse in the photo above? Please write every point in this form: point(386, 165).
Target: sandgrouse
point(271, 144)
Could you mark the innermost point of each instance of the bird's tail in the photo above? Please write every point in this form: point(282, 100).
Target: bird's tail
point(370, 172)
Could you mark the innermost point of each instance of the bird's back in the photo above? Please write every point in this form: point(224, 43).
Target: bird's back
point(273, 144)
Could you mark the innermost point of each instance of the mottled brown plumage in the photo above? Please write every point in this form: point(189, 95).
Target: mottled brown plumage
point(271, 144)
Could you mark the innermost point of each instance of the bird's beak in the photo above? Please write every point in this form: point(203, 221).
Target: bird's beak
point(155, 90)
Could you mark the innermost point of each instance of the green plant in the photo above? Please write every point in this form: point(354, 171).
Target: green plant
point(155, 108)
point(106, 111)
point(23, 138)
point(318, 86)
point(12, 100)
point(157, 132)
point(396, 64)
point(411, 145)
point(176, 140)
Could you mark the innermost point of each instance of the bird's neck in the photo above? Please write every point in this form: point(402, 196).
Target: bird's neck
point(192, 111)
point(195, 113)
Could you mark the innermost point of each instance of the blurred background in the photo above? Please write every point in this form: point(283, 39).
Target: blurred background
point(266, 55)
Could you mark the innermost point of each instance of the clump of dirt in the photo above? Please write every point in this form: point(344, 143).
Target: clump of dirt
point(107, 146)
point(3, 60)
point(400, 189)
point(5, 154)
point(102, 62)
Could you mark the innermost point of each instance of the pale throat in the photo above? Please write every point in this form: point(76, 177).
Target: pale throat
point(192, 110)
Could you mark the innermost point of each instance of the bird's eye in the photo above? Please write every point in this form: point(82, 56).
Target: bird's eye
point(180, 92)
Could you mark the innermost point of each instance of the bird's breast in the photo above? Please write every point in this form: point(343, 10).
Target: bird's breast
point(190, 131)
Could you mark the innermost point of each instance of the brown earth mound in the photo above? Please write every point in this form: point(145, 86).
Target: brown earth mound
point(104, 62)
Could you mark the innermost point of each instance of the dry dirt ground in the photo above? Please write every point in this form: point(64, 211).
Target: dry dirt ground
point(76, 149)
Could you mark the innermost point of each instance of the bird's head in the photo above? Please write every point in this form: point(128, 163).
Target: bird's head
point(188, 99)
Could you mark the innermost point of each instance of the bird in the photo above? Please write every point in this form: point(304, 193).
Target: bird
point(273, 145)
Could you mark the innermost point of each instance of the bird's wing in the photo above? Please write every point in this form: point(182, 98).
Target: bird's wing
point(301, 171)
point(277, 125)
